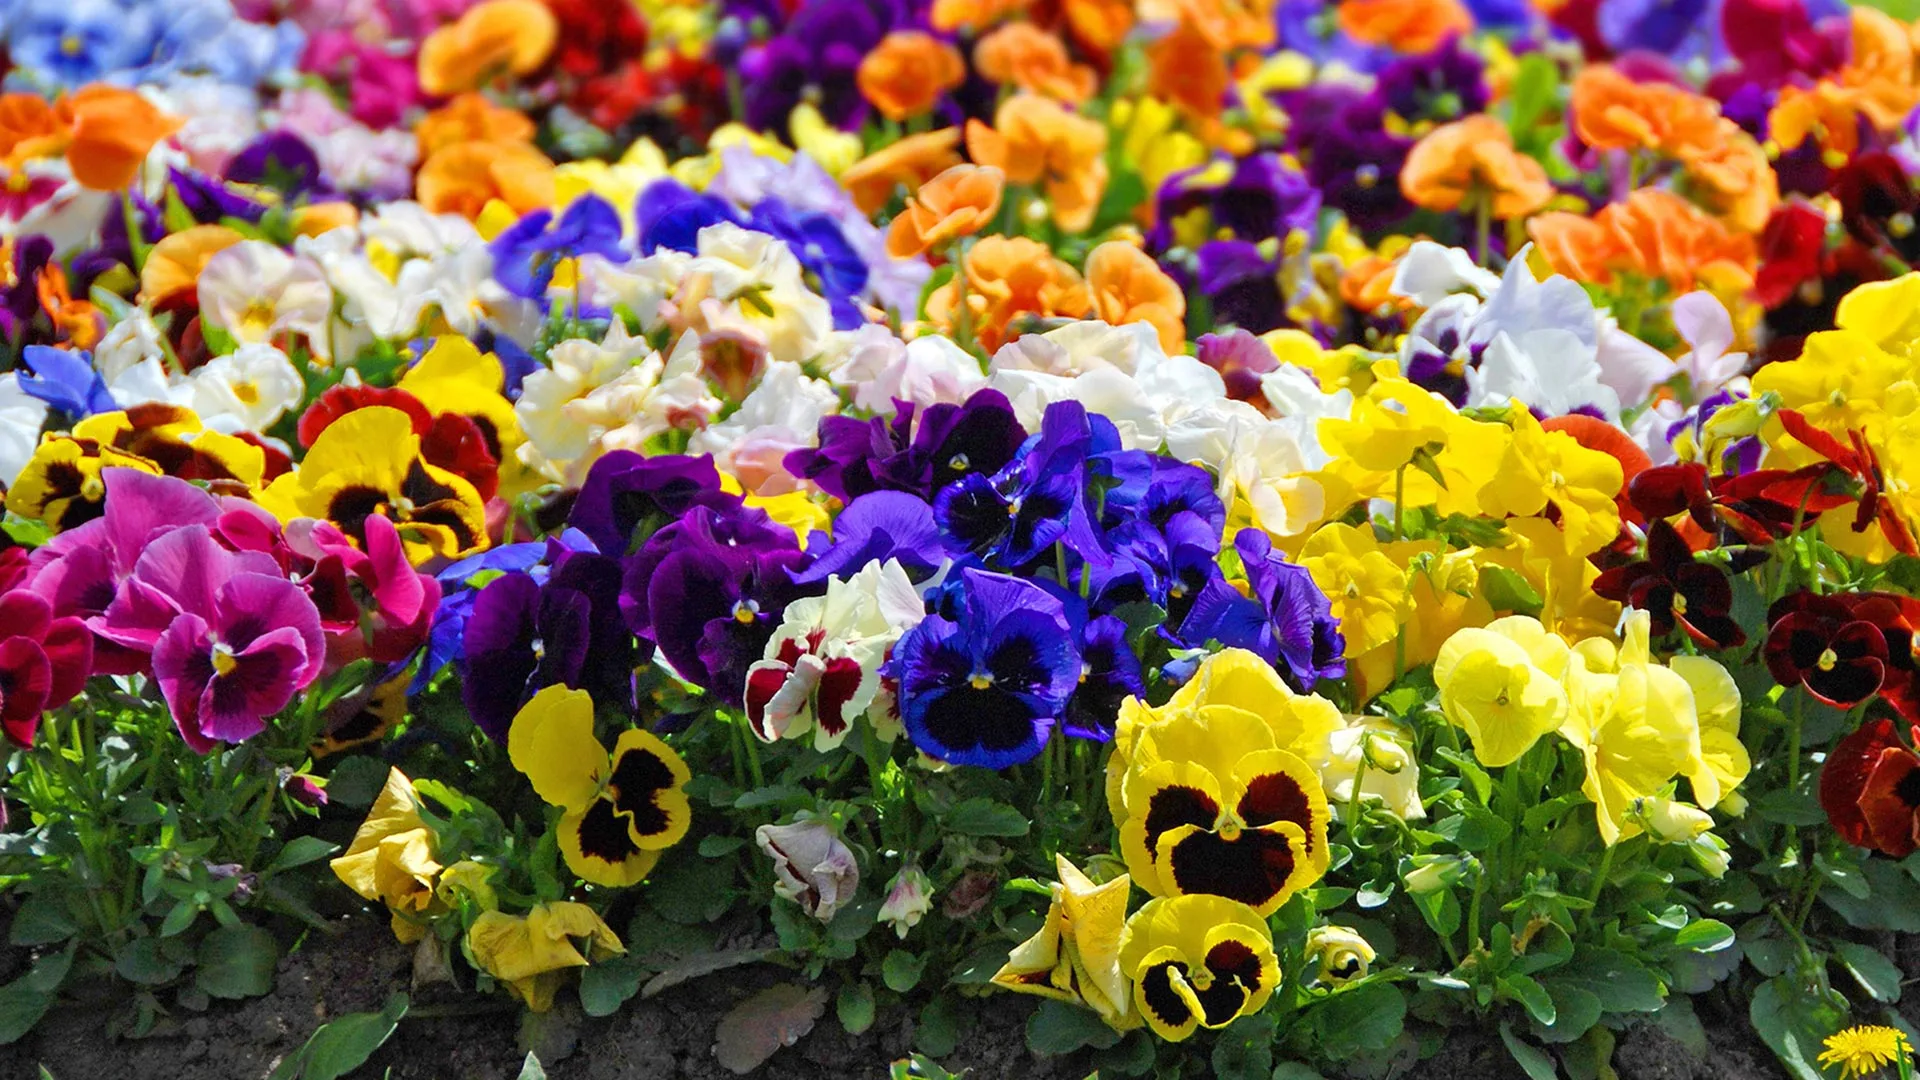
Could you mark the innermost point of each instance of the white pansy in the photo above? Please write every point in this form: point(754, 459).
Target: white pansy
point(249, 389)
point(21, 415)
point(754, 283)
point(576, 368)
point(778, 416)
point(255, 292)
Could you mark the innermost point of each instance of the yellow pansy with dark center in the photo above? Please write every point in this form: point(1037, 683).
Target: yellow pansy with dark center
point(61, 484)
point(623, 809)
point(174, 440)
point(1214, 808)
point(1197, 961)
point(368, 462)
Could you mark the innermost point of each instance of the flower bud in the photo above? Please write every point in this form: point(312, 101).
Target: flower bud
point(1342, 954)
point(812, 866)
point(909, 896)
point(1431, 873)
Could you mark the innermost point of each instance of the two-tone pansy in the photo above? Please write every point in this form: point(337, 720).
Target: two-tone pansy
point(621, 809)
point(1197, 961)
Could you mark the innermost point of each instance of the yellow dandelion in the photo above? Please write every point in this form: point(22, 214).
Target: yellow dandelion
point(1861, 1050)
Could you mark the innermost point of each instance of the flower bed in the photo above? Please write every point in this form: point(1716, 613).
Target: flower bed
point(1277, 539)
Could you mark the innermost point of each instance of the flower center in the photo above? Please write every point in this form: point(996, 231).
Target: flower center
point(1367, 175)
point(980, 680)
point(1828, 658)
point(257, 319)
point(1679, 604)
point(93, 489)
point(247, 392)
point(223, 661)
point(958, 463)
point(73, 45)
point(745, 611)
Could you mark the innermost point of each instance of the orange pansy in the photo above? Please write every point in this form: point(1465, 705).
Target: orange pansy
point(1023, 55)
point(1653, 234)
point(463, 178)
point(492, 38)
point(1613, 112)
point(1128, 286)
point(174, 263)
point(956, 203)
point(111, 130)
point(948, 16)
point(1008, 277)
point(1407, 26)
point(1099, 25)
point(467, 118)
point(1036, 141)
point(1182, 68)
point(909, 162)
point(1474, 158)
point(905, 75)
point(1734, 179)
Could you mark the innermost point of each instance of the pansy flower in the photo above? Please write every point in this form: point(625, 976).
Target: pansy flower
point(532, 954)
point(1818, 642)
point(627, 497)
point(1870, 789)
point(44, 662)
point(62, 483)
point(1857, 464)
point(1215, 805)
point(917, 451)
point(1040, 499)
point(1075, 955)
point(523, 636)
point(369, 462)
point(821, 670)
point(1197, 961)
point(1676, 589)
point(1284, 617)
point(621, 809)
point(529, 252)
point(988, 687)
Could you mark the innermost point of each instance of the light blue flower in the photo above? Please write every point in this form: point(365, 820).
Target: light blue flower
point(66, 44)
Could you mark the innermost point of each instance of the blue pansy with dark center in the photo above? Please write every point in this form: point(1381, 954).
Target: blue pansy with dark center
point(987, 687)
point(1110, 673)
point(1040, 499)
point(66, 381)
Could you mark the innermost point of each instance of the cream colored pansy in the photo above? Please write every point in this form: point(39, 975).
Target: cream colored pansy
point(752, 282)
point(780, 415)
point(1377, 752)
point(255, 292)
point(249, 389)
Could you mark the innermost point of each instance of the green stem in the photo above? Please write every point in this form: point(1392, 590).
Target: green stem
point(1599, 882)
point(1483, 227)
point(1399, 500)
point(1793, 768)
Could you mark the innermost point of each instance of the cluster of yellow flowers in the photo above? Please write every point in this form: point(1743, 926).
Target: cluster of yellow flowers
point(1637, 724)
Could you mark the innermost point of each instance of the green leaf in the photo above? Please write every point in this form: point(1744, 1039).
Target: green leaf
point(1244, 1050)
point(356, 781)
point(21, 1007)
point(772, 795)
point(1293, 1070)
point(1531, 995)
point(1059, 1028)
point(237, 962)
point(41, 920)
point(901, 970)
point(1784, 807)
point(50, 971)
point(147, 961)
point(344, 1045)
point(1537, 1065)
point(1532, 92)
point(1894, 903)
point(1622, 983)
point(1704, 935)
point(1365, 1017)
point(1575, 1011)
point(984, 817)
point(604, 987)
point(1793, 1024)
point(1876, 974)
point(179, 918)
point(300, 851)
point(854, 1007)
point(715, 846)
point(531, 1069)
point(938, 1031)
point(1131, 1056)
point(1508, 591)
point(692, 891)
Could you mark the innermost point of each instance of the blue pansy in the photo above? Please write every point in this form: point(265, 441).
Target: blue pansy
point(816, 240)
point(987, 687)
point(70, 44)
point(1287, 620)
point(526, 254)
point(670, 215)
point(1040, 499)
point(66, 381)
point(1110, 673)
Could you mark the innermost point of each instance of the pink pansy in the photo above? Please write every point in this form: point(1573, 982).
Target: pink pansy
point(394, 603)
point(232, 639)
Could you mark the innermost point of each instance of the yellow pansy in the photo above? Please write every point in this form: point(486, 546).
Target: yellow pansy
point(1368, 589)
point(1491, 688)
point(391, 858)
point(623, 809)
point(1635, 728)
point(1720, 763)
point(368, 462)
point(1213, 806)
point(61, 484)
point(1075, 956)
point(1443, 594)
point(1197, 961)
point(532, 953)
point(1549, 474)
point(1148, 131)
point(454, 376)
point(834, 150)
point(619, 182)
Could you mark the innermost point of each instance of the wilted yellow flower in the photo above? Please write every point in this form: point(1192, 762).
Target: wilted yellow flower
point(532, 953)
